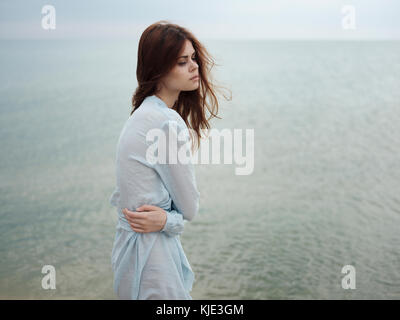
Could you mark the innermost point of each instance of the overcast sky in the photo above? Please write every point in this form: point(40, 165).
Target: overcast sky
point(208, 19)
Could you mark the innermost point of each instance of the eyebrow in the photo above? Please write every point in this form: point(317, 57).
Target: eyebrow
point(186, 56)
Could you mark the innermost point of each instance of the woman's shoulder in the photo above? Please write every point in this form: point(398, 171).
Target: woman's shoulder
point(159, 114)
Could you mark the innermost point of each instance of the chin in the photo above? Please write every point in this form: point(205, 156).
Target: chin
point(191, 88)
point(195, 87)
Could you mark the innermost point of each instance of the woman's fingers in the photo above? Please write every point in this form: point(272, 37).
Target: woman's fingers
point(147, 207)
point(136, 222)
point(136, 225)
point(141, 221)
point(137, 229)
point(132, 215)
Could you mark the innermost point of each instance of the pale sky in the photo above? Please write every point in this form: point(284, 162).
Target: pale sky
point(207, 19)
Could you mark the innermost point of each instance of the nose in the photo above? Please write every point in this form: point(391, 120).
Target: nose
point(194, 65)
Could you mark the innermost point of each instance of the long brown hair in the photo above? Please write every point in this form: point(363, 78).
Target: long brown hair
point(159, 47)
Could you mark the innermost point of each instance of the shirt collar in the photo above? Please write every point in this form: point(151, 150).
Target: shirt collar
point(158, 101)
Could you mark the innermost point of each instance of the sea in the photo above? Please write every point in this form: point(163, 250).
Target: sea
point(318, 217)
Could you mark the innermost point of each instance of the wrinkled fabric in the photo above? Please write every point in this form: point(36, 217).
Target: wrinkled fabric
point(152, 265)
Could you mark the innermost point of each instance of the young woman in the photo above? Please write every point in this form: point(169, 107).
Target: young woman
point(153, 199)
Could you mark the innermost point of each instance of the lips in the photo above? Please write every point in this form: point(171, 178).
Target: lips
point(194, 78)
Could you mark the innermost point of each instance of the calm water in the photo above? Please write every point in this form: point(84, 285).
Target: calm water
point(324, 192)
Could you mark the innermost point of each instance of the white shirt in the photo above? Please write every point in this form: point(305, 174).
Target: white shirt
point(152, 265)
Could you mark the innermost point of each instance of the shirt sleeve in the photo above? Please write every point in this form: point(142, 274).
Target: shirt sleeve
point(177, 174)
point(174, 224)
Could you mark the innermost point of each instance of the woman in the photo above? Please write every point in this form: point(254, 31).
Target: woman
point(153, 199)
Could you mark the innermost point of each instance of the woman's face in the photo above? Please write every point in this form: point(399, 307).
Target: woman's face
point(180, 77)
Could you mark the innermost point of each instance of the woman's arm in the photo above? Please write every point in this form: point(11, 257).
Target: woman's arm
point(179, 180)
point(179, 176)
point(155, 219)
point(174, 224)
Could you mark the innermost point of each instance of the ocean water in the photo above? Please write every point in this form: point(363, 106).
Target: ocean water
point(324, 192)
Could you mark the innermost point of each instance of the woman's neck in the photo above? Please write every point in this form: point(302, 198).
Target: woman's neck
point(168, 97)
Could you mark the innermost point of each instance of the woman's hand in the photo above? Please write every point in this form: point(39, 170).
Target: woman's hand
point(146, 218)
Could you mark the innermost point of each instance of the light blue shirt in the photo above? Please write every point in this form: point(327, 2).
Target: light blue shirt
point(152, 265)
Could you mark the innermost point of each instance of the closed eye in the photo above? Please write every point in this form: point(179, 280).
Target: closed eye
point(183, 63)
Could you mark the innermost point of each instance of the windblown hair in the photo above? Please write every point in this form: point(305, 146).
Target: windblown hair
point(158, 51)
